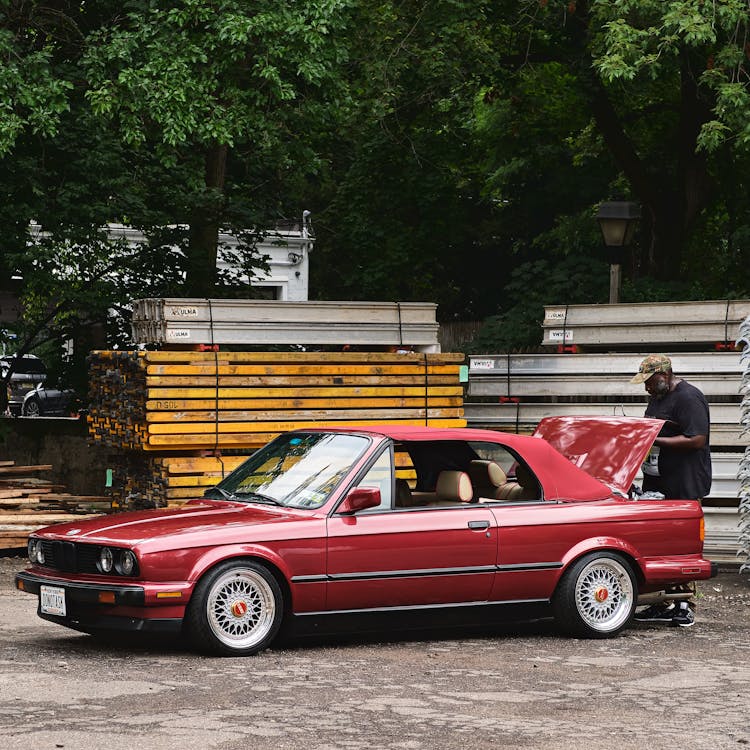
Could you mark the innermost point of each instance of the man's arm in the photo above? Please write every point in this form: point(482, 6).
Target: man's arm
point(681, 442)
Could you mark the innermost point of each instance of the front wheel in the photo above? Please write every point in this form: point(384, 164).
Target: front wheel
point(596, 597)
point(32, 408)
point(236, 609)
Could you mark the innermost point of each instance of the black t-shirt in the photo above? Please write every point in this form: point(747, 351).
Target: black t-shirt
point(682, 474)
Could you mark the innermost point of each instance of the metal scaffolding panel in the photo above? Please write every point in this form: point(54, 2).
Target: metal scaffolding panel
point(268, 322)
point(658, 323)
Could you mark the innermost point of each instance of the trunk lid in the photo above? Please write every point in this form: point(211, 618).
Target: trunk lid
point(611, 449)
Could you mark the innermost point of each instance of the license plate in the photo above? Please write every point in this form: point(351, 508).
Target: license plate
point(52, 600)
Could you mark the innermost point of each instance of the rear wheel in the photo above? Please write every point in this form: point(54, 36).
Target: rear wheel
point(236, 609)
point(596, 597)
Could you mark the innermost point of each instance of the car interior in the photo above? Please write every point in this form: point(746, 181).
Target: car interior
point(434, 475)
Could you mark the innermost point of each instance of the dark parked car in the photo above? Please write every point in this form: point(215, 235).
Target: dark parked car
point(28, 372)
point(386, 522)
point(49, 402)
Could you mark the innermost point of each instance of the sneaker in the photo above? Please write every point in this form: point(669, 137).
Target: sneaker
point(683, 617)
point(661, 612)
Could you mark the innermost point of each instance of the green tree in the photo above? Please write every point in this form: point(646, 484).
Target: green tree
point(666, 89)
point(401, 214)
point(199, 82)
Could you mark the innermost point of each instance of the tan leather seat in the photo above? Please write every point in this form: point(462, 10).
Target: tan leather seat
point(525, 487)
point(486, 477)
point(453, 487)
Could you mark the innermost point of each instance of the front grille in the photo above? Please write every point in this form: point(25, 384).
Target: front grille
point(71, 557)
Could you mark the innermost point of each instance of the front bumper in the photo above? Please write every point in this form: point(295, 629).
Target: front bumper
point(95, 606)
point(84, 593)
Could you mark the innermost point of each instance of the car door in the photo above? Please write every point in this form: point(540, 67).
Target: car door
point(401, 557)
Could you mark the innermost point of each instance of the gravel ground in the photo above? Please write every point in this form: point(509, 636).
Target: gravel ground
point(523, 686)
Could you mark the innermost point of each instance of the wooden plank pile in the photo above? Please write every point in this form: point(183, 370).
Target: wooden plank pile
point(28, 503)
point(163, 411)
point(263, 322)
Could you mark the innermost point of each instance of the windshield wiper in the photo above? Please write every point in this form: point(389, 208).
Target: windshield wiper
point(257, 497)
point(226, 495)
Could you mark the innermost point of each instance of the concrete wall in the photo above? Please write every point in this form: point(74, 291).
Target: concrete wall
point(81, 468)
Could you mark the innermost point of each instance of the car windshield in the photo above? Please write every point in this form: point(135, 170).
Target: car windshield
point(297, 470)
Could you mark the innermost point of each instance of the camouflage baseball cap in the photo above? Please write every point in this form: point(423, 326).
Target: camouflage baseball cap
point(651, 365)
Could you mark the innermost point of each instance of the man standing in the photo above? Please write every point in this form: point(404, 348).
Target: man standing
point(682, 469)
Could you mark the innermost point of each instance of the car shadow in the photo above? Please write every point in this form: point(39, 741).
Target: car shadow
point(535, 629)
point(151, 644)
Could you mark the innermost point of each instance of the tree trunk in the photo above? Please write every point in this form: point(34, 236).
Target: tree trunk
point(204, 227)
point(673, 193)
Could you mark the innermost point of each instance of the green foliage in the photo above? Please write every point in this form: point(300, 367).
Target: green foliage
point(651, 40)
point(564, 281)
point(402, 216)
point(32, 96)
point(197, 73)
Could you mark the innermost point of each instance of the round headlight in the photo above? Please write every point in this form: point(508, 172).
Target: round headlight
point(127, 563)
point(105, 560)
point(36, 553)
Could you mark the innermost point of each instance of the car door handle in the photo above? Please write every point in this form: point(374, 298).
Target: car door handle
point(479, 524)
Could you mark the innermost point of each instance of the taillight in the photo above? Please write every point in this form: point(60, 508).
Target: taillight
point(702, 531)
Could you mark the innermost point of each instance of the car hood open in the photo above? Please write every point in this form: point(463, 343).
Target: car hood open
point(611, 449)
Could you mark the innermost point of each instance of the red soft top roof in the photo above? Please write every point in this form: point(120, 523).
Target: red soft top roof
point(561, 479)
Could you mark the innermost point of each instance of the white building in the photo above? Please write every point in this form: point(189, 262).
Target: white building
point(287, 248)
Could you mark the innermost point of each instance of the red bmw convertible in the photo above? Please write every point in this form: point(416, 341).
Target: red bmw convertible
point(387, 522)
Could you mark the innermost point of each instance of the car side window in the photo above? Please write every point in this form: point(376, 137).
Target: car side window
point(380, 476)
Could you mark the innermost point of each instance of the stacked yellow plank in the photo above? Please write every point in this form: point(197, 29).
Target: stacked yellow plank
point(28, 503)
point(172, 406)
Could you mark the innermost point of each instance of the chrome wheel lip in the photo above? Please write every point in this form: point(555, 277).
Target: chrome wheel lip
point(240, 608)
point(604, 595)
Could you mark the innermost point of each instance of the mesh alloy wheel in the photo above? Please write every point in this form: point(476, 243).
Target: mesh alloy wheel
point(236, 609)
point(241, 608)
point(604, 594)
point(597, 595)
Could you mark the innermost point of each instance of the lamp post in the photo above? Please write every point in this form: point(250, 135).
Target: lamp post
point(617, 220)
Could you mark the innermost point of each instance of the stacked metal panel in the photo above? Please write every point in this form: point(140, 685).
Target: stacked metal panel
point(667, 324)
point(263, 322)
point(743, 470)
point(516, 391)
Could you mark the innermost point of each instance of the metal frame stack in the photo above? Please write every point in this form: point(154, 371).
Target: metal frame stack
point(242, 322)
point(657, 324)
point(512, 392)
point(743, 472)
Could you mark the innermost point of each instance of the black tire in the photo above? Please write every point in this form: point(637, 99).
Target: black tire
point(597, 596)
point(236, 609)
point(32, 408)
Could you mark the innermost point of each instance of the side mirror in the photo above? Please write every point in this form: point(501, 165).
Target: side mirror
point(360, 498)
